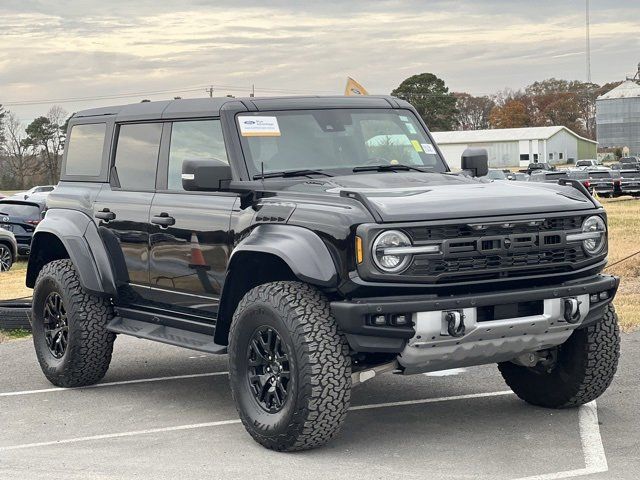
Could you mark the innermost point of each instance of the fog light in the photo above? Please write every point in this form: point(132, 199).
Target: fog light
point(400, 320)
point(378, 320)
point(593, 298)
point(604, 295)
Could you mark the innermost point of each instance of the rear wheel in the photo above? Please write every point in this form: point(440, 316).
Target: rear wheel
point(581, 369)
point(289, 367)
point(72, 343)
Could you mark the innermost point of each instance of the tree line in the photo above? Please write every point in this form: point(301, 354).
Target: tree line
point(569, 103)
point(32, 154)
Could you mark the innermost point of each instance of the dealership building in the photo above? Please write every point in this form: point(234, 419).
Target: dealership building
point(516, 147)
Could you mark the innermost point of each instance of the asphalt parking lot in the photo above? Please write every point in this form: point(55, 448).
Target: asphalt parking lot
point(164, 412)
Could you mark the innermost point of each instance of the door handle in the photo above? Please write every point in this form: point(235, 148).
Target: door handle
point(105, 214)
point(164, 220)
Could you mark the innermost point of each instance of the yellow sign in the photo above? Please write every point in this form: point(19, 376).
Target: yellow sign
point(416, 146)
point(353, 88)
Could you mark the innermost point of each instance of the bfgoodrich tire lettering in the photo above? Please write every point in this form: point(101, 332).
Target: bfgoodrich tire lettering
point(89, 345)
point(585, 367)
point(319, 391)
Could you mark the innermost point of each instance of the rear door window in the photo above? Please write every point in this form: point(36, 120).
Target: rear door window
point(137, 155)
point(84, 153)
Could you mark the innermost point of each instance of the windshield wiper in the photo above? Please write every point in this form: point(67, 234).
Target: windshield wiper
point(2, 213)
point(386, 168)
point(291, 173)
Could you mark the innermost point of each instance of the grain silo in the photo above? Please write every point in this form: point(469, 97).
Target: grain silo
point(618, 116)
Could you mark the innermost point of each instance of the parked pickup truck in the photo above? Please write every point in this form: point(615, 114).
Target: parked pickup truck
point(300, 238)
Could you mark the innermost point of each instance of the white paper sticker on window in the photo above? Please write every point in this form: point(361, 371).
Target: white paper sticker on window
point(259, 126)
point(428, 148)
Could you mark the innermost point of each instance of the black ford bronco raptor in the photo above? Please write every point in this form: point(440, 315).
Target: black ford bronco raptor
point(319, 241)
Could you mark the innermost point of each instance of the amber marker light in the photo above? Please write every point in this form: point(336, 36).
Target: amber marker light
point(359, 251)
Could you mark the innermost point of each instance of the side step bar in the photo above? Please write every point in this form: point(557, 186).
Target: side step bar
point(160, 333)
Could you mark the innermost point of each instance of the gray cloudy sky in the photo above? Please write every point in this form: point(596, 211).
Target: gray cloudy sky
point(97, 48)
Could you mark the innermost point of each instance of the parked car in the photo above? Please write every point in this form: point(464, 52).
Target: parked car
point(21, 218)
point(8, 249)
point(630, 163)
point(601, 182)
point(587, 163)
point(548, 176)
point(316, 259)
point(630, 182)
point(518, 176)
point(538, 166)
point(40, 190)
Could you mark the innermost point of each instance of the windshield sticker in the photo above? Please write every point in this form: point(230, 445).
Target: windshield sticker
point(403, 118)
point(428, 148)
point(416, 145)
point(411, 129)
point(259, 126)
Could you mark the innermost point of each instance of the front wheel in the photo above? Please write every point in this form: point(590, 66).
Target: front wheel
point(582, 367)
point(289, 367)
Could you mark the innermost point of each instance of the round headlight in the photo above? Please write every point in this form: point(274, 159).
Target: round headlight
point(386, 260)
point(596, 226)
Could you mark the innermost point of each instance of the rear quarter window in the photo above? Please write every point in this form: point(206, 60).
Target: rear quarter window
point(20, 210)
point(84, 152)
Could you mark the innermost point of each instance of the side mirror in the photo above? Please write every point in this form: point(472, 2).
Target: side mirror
point(475, 161)
point(205, 174)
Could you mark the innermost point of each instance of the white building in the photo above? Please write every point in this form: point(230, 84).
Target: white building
point(515, 147)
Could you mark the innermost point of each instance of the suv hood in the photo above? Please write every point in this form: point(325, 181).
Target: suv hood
point(399, 197)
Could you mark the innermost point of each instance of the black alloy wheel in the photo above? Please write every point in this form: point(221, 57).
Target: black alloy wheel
point(268, 369)
point(56, 326)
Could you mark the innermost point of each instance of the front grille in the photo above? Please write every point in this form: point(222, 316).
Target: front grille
point(443, 232)
point(469, 254)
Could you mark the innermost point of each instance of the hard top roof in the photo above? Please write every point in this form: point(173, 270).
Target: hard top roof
point(207, 107)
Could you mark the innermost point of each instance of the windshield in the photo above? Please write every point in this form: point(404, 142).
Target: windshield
point(335, 141)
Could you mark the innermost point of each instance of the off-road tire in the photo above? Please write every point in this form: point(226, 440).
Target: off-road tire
point(15, 314)
point(586, 364)
point(90, 345)
point(317, 404)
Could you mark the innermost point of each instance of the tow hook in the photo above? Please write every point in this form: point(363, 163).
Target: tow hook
point(572, 310)
point(455, 323)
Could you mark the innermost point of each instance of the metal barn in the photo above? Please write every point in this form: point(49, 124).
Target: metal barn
point(516, 147)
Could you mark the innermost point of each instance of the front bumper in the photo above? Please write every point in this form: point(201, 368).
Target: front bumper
point(425, 346)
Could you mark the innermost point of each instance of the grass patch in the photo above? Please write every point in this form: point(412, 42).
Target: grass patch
point(6, 335)
point(12, 282)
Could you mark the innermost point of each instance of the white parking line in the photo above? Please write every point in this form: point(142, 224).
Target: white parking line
point(110, 384)
point(595, 460)
point(234, 421)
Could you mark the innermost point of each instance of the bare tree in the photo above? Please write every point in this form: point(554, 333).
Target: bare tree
point(20, 158)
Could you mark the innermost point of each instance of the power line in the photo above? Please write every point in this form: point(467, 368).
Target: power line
point(207, 88)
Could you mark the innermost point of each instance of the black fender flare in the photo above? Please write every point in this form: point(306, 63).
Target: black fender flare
point(301, 249)
point(79, 236)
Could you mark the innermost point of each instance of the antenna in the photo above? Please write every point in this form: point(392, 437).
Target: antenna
point(210, 91)
point(262, 171)
point(588, 45)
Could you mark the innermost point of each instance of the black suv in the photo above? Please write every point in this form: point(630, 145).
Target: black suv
point(319, 242)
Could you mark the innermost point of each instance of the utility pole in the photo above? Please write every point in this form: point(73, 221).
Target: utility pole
point(588, 46)
point(253, 90)
point(210, 91)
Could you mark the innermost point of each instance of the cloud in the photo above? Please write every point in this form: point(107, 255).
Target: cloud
point(92, 48)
